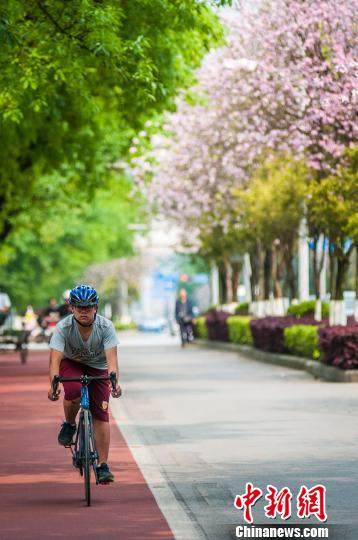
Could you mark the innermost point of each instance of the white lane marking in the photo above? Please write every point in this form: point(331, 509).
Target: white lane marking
point(182, 526)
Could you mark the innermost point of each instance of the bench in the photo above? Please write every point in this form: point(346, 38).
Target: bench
point(18, 338)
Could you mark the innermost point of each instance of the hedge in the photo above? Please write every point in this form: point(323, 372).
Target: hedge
point(307, 308)
point(242, 309)
point(335, 345)
point(268, 332)
point(239, 329)
point(200, 328)
point(216, 325)
point(339, 345)
point(302, 340)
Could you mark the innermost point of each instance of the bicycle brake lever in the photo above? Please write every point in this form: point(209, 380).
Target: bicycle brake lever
point(55, 383)
point(113, 379)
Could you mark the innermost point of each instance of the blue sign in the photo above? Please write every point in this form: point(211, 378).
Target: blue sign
point(164, 283)
point(200, 279)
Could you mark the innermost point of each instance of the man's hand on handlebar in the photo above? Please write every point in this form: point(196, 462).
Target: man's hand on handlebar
point(117, 391)
point(54, 392)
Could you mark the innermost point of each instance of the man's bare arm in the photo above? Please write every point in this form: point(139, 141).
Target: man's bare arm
point(54, 369)
point(112, 362)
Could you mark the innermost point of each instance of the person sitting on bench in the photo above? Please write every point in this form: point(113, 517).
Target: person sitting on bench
point(5, 305)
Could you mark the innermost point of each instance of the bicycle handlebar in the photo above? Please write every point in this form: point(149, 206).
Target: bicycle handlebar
point(83, 379)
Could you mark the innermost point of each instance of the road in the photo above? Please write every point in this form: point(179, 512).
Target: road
point(195, 426)
point(201, 423)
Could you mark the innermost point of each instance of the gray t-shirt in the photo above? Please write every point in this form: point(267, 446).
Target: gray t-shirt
point(67, 339)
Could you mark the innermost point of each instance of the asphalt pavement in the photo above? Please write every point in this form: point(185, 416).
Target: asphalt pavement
point(201, 423)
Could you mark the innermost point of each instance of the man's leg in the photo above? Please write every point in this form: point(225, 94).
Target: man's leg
point(189, 332)
point(99, 398)
point(71, 401)
point(182, 332)
point(102, 439)
point(71, 408)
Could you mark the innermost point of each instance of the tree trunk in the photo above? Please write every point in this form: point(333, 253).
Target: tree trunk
point(342, 269)
point(275, 271)
point(356, 272)
point(318, 261)
point(291, 280)
point(253, 277)
point(267, 275)
point(236, 269)
point(356, 301)
point(222, 283)
point(260, 284)
point(228, 279)
point(332, 273)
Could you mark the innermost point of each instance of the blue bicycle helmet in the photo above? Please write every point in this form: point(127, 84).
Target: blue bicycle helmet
point(83, 296)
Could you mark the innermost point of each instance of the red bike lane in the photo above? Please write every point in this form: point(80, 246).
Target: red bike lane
point(41, 494)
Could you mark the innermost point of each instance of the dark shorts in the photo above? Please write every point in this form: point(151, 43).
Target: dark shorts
point(99, 391)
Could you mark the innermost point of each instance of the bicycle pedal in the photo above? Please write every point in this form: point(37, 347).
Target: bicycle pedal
point(105, 483)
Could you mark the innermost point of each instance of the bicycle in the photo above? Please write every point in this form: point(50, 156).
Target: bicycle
point(186, 332)
point(83, 449)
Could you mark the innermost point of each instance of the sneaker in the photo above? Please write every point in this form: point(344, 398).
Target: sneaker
point(104, 475)
point(66, 434)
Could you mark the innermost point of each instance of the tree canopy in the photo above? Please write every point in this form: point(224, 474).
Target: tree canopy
point(43, 261)
point(77, 81)
point(283, 86)
point(77, 78)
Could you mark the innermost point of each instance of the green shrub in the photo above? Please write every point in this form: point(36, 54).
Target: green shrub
point(200, 328)
point(302, 340)
point(239, 329)
point(124, 326)
point(242, 309)
point(307, 308)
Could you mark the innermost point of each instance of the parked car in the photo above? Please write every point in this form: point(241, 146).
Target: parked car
point(152, 325)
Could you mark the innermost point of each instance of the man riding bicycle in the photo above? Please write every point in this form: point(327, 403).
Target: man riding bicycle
point(184, 315)
point(85, 343)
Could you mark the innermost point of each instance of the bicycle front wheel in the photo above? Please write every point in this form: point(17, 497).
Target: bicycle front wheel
point(87, 456)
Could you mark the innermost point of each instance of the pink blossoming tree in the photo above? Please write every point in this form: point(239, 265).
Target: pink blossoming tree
point(286, 82)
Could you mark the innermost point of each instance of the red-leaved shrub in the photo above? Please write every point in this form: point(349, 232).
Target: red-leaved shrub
point(268, 332)
point(216, 325)
point(339, 345)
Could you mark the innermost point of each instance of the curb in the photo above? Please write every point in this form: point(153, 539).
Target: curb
point(182, 524)
point(315, 368)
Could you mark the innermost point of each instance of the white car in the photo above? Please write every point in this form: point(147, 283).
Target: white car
point(152, 325)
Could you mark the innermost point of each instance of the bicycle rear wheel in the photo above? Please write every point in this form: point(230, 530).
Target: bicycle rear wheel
point(87, 461)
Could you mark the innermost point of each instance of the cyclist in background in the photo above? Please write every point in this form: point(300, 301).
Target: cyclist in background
point(48, 318)
point(85, 343)
point(50, 315)
point(184, 315)
point(65, 308)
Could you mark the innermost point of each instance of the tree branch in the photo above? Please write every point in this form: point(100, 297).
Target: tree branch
point(60, 28)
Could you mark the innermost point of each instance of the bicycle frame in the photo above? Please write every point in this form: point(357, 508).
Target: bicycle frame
point(83, 450)
point(84, 404)
point(77, 447)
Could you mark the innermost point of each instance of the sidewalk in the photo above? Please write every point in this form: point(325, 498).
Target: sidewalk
point(42, 495)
